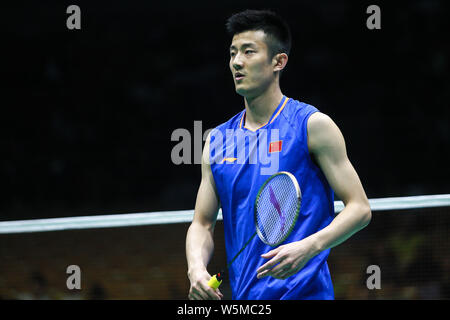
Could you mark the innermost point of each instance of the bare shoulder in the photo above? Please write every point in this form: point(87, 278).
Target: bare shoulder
point(323, 132)
point(319, 121)
point(206, 161)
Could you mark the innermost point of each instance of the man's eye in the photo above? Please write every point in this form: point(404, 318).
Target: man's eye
point(249, 51)
point(232, 54)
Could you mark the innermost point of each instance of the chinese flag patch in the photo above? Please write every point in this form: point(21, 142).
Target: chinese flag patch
point(275, 146)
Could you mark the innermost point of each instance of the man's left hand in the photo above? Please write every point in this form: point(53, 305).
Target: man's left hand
point(287, 260)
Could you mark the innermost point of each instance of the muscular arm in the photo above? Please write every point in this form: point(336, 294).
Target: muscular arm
point(327, 146)
point(199, 239)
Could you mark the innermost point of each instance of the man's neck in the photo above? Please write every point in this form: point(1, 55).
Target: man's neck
point(259, 109)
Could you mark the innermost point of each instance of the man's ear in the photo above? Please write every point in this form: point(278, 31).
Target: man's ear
point(279, 61)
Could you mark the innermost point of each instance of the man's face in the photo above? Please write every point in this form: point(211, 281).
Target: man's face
point(252, 69)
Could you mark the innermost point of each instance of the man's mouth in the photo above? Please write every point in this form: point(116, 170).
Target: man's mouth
point(238, 76)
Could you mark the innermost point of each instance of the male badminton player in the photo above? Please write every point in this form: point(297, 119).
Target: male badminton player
point(308, 144)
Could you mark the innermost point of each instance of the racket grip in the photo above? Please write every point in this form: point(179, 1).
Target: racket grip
point(216, 280)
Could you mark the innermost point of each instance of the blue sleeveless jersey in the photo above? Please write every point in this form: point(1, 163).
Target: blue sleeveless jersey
point(241, 160)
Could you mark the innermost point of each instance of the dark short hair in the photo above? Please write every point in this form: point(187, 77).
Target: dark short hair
point(276, 29)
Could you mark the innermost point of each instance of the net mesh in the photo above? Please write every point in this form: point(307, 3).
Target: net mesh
point(276, 209)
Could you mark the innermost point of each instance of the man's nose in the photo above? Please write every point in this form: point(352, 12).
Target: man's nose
point(237, 62)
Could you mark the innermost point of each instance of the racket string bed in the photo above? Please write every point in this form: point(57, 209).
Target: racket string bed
point(276, 209)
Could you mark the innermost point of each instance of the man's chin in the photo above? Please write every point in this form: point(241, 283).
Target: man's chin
point(242, 91)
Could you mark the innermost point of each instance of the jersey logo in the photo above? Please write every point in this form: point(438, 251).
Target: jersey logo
point(275, 146)
point(229, 160)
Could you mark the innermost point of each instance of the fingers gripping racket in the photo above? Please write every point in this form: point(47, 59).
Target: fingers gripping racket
point(277, 206)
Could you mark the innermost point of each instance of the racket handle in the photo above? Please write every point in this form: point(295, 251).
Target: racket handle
point(216, 280)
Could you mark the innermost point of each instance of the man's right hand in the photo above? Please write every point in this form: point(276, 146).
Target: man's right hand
point(200, 290)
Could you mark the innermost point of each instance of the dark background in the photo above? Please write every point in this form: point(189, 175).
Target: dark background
point(87, 115)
